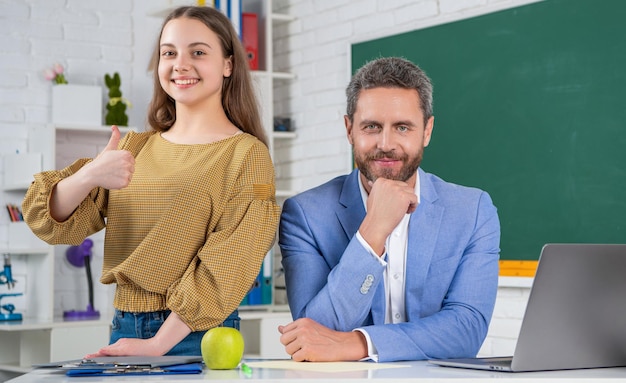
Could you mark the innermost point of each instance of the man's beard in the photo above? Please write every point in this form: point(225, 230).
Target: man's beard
point(409, 165)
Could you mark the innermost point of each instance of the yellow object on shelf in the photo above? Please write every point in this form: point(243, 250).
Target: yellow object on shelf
point(510, 268)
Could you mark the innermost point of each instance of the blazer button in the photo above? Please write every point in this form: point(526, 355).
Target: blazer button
point(367, 283)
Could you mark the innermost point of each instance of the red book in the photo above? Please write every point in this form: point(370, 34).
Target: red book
point(250, 38)
point(10, 210)
point(13, 213)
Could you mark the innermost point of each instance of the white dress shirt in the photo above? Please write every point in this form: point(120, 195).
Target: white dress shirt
point(394, 260)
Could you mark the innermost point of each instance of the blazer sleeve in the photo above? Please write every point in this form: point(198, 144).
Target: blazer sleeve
point(332, 293)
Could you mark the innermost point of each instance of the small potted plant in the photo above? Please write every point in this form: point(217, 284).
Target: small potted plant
point(116, 107)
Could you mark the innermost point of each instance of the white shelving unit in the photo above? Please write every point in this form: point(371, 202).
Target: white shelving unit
point(259, 325)
point(265, 79)
point(40, 336)
point(260, 332)
point(31, 259)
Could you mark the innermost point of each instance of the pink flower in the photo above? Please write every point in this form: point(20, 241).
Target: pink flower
point(55, 74)
point(58, 68)
point(49, 74)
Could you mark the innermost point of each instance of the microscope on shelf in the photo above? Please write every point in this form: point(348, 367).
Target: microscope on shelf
point(6, 278)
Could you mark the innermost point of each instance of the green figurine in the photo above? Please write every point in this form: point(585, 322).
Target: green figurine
point(116, 107)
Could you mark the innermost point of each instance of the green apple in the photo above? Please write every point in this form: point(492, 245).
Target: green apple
point(222, 348)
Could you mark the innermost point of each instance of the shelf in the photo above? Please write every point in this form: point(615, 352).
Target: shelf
point(522, 282)
point(39, 341)
point(18, 170)
point(25, 251)
point(100, 129)
point(16, 187)
point(285, 193)
point(273, 75)
point(281, 17)
point(284, 135)
point(30, 324)
point(283, 76)
point(254, 311)
point(260, 331)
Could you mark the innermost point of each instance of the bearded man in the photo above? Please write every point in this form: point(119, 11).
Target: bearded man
point(389, 262)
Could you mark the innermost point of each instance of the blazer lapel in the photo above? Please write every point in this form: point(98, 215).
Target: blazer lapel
point(352, 211)
point(424, 227)
point(350, 214)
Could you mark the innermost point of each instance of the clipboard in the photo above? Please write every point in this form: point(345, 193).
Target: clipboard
point(128, 365)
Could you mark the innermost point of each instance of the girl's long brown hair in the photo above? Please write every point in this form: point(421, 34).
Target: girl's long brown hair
point(238, 97)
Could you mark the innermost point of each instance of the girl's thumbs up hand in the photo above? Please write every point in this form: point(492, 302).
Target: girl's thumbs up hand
point(112, 168)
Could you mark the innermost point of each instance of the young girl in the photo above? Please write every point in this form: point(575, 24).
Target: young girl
point(189, 206)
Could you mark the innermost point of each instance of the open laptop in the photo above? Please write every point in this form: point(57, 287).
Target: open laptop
point(576, 313)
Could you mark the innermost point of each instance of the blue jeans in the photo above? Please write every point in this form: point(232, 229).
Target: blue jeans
point(146, 325)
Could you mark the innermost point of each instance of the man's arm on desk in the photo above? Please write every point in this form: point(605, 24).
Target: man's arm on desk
point(307, 340)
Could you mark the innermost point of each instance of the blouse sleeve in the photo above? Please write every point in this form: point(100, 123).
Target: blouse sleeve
point(226, 266)
point(87, 219)
point(89, 216)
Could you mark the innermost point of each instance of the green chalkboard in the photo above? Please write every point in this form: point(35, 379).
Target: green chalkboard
point(530, 105)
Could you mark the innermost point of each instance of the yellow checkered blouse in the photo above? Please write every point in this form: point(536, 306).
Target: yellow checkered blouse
point(188, 234)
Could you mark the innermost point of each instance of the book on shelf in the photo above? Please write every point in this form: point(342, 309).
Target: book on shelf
point(250, 38)
point(15, 214)
point(261, 291)
point(232, 9)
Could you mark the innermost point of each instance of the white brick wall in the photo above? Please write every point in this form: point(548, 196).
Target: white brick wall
point(507, 317)
point(94, 37)
point(89, 38)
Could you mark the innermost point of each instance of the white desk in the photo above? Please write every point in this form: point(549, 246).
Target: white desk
point(415, 372)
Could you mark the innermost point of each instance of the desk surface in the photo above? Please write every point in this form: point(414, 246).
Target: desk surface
point(411, 372)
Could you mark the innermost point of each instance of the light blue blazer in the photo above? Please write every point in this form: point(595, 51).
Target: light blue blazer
point(451, 268)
